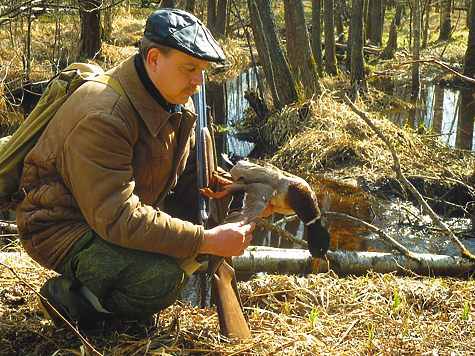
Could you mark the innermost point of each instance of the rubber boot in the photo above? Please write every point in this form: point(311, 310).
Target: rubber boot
point(67, 297)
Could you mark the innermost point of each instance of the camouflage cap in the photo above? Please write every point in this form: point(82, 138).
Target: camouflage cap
point(182, 31)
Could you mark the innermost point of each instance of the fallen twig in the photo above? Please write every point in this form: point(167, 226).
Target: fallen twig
point(397, 168)
point(463, 77)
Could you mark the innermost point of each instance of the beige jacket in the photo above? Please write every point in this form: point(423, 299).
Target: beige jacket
point(116, 164)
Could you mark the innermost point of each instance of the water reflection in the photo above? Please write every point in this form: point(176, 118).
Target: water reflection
point(443, 111)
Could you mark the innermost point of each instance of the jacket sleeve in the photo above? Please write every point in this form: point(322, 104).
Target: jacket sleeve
point(96, 162)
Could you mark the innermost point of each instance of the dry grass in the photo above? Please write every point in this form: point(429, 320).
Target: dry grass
point(318, 314)
point(325, 136)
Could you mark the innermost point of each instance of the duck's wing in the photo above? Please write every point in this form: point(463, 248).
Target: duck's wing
point(256, 198)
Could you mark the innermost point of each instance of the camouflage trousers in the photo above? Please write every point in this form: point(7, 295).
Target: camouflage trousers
point(127, 282)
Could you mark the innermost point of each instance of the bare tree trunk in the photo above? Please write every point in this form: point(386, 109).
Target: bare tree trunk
point(298, 48)
point(107, 34)
point(464, 134)
point(417, 45)
point(211, 24)
point(390, 49)
point(356, 40)
point(221, 18)
point(369, 20)
point(425, 33)
point(90, 28)
point(397, 17)
point(317, 36)
point(263, 50)
point(445, 20)
point(340, 31)
point(469, 59)
point(286, 84)
point(167, 4)
point(377, 23)
point(330, 56)
point(190, 6)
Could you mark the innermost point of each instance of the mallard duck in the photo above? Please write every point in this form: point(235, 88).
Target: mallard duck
point(266, 186)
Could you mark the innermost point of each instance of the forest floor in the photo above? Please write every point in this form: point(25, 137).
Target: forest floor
point(374, 314)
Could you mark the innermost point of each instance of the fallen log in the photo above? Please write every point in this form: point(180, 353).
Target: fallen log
point(296, 261)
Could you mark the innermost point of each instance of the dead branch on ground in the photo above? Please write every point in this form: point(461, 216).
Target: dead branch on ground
point(397, 168)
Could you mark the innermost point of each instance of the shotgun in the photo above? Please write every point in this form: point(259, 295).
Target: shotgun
point(228, 302)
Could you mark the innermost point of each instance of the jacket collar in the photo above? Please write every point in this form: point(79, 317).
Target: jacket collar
point(152, 113)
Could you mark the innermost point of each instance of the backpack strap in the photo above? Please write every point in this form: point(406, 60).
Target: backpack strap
point(113, 83)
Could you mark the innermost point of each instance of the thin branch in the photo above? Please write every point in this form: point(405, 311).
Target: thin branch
point(393, 243)
point(281, 232)
point(463, 77)
point(397, 168)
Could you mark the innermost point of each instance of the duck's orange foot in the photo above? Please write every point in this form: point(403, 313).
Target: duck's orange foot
point(209, 193)
point(222, 180)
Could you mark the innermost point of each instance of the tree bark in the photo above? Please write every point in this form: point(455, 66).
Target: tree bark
point(298, 261)
point(469, 58)
point(221, 16)
point(190, 6)
point(298, 48)
point(330, 56)
point(286, 85)
point(263, 50)
point(445, 20)
point(340, 31)
point(167, 4)
point(211, 23)
point(377, 23)
point(390, 49)
point(397, 17)
point(417, 45)
point(425, 32)
point(356, 39)
point(90, 28)
point(316, 37)
point(367, 19)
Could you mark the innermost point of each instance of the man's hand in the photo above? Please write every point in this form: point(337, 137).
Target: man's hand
point(228, 239)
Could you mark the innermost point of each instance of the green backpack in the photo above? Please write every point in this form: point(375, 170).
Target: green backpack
point(14, 151)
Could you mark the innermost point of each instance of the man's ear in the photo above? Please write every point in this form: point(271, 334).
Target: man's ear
point(153, 57)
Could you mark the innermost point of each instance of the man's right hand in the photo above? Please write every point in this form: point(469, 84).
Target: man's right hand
point(228, 239)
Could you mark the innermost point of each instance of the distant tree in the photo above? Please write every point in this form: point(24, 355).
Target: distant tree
point(298, 48)
point(389, 51)
point(211, 20)
point(368, 19)
point(417, 45)
point(425, 30)
point(190, 6)
point(377, 23)
point(469, 59)
point(221, 16)
point(356, 39)
point(398, 15)
point(445, 26)
point(316, 37)
point(167, 4)
point(263, 50)
point(338, 11)
point(286, 85)
point(330, 56)
point(90, 28)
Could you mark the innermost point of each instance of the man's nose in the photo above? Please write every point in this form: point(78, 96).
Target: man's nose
point(198, 79)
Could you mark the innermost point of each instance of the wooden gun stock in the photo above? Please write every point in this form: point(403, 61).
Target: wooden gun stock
point(228, 302)
point(231, 320)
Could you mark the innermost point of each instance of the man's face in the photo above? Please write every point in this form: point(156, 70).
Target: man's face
point(176, 75)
